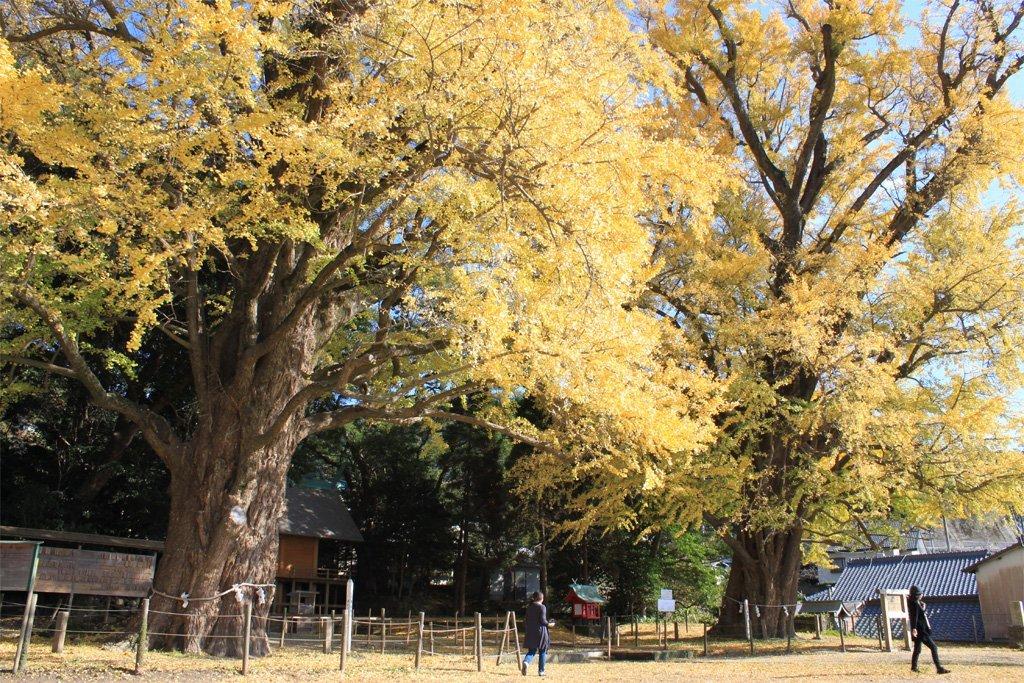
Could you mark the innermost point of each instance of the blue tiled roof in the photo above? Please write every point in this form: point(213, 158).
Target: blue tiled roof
point(937, 575)
point(950, 620)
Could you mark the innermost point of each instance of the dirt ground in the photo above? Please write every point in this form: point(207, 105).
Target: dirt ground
point(812, 660)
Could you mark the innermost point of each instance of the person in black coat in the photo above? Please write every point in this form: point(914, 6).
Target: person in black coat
point(537, 639)
point(921, 630)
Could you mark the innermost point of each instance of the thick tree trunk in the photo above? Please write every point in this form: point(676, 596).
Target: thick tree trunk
point(226, 500)
point(765, 571)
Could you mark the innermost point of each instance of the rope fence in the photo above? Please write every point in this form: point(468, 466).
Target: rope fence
point(417, 636)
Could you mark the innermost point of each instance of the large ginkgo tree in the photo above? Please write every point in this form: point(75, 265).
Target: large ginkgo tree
point(392, 203)
point(858, 297)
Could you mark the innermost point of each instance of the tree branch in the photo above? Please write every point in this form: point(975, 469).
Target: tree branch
point(155, 428)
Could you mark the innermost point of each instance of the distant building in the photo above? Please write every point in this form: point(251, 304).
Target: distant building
point(950, 593)
point(1000, 579)
point(316, 555)
point(980, 533)
point(515, 583)
point(585, 601)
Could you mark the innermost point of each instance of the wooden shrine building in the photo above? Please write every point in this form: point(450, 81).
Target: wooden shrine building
point(586, 602)
point(316, 555)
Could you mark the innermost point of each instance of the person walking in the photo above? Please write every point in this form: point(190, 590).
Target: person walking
point(921, 630)
point(537, 638)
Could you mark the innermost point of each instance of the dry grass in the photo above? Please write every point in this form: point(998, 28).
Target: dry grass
point(811, 660)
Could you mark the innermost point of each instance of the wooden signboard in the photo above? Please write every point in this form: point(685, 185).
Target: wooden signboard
point(894, 606)
point(82, 572)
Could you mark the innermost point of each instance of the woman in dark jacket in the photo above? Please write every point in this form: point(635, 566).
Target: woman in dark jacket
point(537, 639)
point(921, 630)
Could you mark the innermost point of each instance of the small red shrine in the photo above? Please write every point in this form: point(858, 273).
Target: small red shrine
point(586, 601)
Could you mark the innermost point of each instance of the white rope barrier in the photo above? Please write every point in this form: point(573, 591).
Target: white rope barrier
point(236, 588)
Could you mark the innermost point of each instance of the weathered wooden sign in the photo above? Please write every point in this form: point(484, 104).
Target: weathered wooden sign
point(83, 572)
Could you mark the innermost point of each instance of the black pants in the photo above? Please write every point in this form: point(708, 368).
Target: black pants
point(925, 639)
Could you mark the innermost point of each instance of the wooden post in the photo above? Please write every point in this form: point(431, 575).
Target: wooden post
point(746, 624)
point(369, 624)
point(789, 631)
point(284, 627)
point(479, 642)
point(328, 634)
point(504, 639)
point(686, 623)
point(408, 627)
point(61, 631)
point(664, 634)
point(140, 647)
point(346, 624)
point(615, 626)
point(608, 625)
point(430, 630)
point(675, 628)
point(383, 631)
point(878, 625)
point(419, 641)
point(636, 631)
point(817, 627)
point(463, 634)
point(246, 637)
point(842, 635)
point(106, 612)
point(515, 632)
point(705, 639)
point(574, 634)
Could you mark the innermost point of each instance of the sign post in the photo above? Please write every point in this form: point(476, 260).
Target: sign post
point(19, 564)
point(350, 588)
point(894, 606)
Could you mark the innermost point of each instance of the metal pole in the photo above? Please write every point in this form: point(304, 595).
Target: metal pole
point(350, 589)
point(61, 631)
point(246, 638)
point(346, 624)
point(21, 660)
point(21, 652)
point(479, 642)
point(419, 641)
